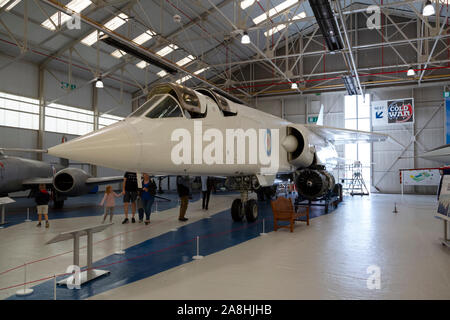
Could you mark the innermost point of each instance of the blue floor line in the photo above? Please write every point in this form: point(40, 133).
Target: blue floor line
point(164, 252)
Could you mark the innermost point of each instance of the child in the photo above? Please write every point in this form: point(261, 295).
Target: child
point(109, 201)
point(42, 198)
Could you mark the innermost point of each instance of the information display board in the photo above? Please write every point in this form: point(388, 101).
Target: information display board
point(444, 197)
point(421, 177)
point(388, 112)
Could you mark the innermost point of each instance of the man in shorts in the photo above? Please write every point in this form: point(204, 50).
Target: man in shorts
point(130, 191)
point(42, 198)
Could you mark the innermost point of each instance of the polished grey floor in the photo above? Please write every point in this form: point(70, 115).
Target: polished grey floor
point(327, 260)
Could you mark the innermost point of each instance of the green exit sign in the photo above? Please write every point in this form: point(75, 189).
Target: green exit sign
point(312, 119)
point(65, 85)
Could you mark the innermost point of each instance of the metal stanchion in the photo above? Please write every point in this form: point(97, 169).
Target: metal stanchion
point(25, 291)
point(28, 216)
point(395, 208)
point(121, 247)
point(54, 287)
point(198, 256)
point(156, 206)
point(264, 227)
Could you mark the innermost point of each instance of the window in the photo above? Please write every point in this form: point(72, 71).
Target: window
point(64, 119)
point(107, 119)
point(146, 106)
point(166, 108)
point(357, 117)
point(19, 112)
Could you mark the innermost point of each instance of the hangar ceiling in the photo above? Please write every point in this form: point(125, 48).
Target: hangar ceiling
point(202, 39)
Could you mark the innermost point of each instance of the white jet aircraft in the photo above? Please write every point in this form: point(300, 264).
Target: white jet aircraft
point(180, 131)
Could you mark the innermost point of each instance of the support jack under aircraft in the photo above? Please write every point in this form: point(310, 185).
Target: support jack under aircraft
point(181, 131)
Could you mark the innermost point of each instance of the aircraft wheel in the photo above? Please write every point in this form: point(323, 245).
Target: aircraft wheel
point(251, 210)
point(236, 210)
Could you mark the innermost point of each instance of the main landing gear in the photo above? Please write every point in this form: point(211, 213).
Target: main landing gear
point(244, 207)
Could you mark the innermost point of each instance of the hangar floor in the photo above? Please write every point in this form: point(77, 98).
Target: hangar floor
point(326, 260)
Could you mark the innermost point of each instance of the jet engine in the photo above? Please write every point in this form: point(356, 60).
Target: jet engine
point(314, 182)
point(71, 182)
point(296, 144)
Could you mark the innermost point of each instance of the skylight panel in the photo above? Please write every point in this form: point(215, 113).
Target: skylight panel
point(141, 39)
point(280, 27)
point(75, 5)
point(166, 50)
point(12, 5)
point(279, 8)
point(162, 73)
point(184, 79)
point(142, 64)
point(112, 24)
point(246, 3)
point(201, 70)
point(185, 60)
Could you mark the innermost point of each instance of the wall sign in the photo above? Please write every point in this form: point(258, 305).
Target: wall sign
point(387, 112)
point(421, 177)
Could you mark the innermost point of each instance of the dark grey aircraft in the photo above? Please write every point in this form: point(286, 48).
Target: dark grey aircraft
point(19, 174)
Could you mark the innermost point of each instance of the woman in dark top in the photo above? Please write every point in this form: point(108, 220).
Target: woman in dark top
point(147, 198)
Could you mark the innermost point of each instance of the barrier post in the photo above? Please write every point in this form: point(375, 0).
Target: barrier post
point(156, 206)
point(264, 227)
point(54, 287)
point(25, 291)
point(198, 256)
point(28, 216)
point(395, 208)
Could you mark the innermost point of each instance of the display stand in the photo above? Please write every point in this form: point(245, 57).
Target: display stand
point(90, 273)
point(3, 202)
point(445, 240)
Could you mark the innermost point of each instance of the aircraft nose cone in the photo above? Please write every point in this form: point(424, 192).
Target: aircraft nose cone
point(113, 147)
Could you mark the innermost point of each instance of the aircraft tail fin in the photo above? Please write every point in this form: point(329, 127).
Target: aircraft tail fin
point(320, 117)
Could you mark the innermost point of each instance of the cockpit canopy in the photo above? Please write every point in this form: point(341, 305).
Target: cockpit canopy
point(171, 100)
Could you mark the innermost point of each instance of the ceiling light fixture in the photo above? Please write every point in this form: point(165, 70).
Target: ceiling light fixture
point(428, 9)
point(99, 83)
point(294, 85)
point(245, 38)
point(411, 72)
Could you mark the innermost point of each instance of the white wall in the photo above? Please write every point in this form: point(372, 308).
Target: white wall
point(22, 78)
point(427, 99)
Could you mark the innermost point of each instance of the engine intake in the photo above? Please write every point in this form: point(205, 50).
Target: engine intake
point(297, 145)
point(71, 182)
point(314, 183)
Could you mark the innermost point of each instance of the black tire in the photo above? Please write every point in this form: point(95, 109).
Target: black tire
point(58, 204)
point(251, 210)
point(236, 210)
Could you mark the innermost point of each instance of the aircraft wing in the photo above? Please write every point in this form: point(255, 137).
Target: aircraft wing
point(104, 180)
point(37, 181)
point(342, 136)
